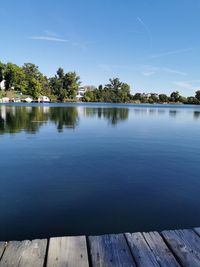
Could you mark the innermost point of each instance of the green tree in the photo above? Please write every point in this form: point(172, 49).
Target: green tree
point(116, 91)
point(34, 79)
point(13, 76)
point(163, 98)
point(174, 97)
point(114, 84)
point(60, 73)
point(183, 99)
point(155, 98)
point(65, 85)
point(35, 87)
point(31, 70)
point(89, 96)
point(56, 86)
point(197, 95)
point(71, 84)
point(192, 100)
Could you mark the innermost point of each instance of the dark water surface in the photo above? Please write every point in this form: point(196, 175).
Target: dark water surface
point(93, 169)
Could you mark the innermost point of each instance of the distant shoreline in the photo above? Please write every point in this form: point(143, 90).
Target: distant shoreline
point(100, 104)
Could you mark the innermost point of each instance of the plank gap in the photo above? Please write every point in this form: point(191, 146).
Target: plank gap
point(170, 248)
point(46, 253)
point(197, 231)
point(5, 245)
point(88, 251)
point(130, 250)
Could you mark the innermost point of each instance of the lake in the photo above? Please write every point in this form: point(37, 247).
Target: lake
point(71, 169)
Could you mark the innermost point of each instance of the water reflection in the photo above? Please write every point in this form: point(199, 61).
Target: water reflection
point(113, 115)
point(173, 113)
point(64, 117)
point(14, 119)
point(196, 114)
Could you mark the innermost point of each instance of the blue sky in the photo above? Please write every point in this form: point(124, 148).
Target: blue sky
point(152, 45)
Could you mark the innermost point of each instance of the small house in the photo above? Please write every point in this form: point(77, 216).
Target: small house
point(5, 100)
point(43, 99)
point(28, 100)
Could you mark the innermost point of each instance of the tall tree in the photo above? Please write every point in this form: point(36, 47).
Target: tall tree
point(14, 77)
point(175, 96)
point(60, 73)
point(71, 83)
point(163, 98)
point(197, 95)
point(114, 84)
point(117, 91)
point(34, 79)
point(65, 85)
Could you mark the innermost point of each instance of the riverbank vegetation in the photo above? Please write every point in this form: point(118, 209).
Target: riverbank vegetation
point(28, 80)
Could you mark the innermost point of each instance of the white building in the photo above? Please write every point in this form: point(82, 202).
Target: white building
point(43, 99)
point(2, 85)
point(28, 100)
point(5, 99)
point(81, 91)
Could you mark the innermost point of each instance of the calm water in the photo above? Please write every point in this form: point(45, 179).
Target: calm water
point(93, 169)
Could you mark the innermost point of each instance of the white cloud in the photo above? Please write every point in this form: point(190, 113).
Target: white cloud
point(168, 70)
point(184, 84)
point(174, 52)
point(148, 73)
point(54, 37)
point(192, 85)
point(151, 70)
point(48, 38)
point(112, 67)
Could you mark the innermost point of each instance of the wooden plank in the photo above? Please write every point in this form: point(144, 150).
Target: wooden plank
point(67, 251)
point(162, 253)
point(141, 251)
point(185, 245)
point(109, 251)
point(2, 248)
point(197, 230)
point(25, 253)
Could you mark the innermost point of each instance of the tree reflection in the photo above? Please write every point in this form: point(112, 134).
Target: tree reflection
point(196, 114)
point(172, 113)
point(113, 115)
point(64, 117)
point(30, 119)
point(14, 119)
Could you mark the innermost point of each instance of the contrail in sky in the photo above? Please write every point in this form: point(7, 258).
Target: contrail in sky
point(147, 30)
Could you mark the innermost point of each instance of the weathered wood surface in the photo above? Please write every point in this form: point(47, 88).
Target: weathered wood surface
point(2, 247)
point(186, 246)
point(197, 230)
point(158, 247)
point(109, 251)
point(24, 254)
point(167, 249)
point(67, 251)
point(141, 251)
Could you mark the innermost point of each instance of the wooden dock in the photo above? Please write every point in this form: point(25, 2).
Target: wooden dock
point(153, 249)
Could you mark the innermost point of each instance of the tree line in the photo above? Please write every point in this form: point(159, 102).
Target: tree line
point(63, 86)
point(28, 80)
point(118, 92)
